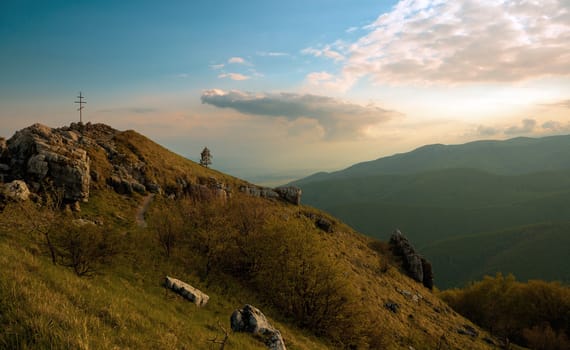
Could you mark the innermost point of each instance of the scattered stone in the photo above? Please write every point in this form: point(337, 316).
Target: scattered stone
point(187, 291)
point(417, 267)
point(94, 175)
point(153, 187)
point(468, 330)
point(17, 190)
point(392, 306)
point(251, 320)
point(324, 224)
point(489, 341)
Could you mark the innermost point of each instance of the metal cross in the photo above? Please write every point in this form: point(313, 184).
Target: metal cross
point(81, 103)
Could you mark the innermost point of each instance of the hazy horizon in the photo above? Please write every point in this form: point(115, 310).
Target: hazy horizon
point(280, 91)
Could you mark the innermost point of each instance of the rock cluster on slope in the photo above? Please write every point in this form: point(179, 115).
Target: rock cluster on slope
point(417, 266)
point(250, 319)
point(289, 194)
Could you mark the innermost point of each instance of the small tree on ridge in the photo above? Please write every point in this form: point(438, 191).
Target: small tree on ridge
point(206, 157)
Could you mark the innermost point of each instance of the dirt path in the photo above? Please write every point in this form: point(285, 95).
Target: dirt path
point(142, 210)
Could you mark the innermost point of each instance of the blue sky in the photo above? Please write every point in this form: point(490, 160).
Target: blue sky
point(287, 88)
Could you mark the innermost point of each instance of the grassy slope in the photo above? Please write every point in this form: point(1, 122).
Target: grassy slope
point(530, 252)
point(46, 306)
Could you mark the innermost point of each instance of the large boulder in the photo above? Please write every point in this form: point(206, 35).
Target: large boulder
point(17, 190)
point(251, 320)
point(39, 153)
point(187, 291)
point(415, 265)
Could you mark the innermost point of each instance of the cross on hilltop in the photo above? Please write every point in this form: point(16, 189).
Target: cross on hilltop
point(81, 103)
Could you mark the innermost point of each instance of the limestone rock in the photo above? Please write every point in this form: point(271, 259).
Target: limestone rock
point(262, 192)
point(291, 194)
point(187, 291)
point(324, 224)
point(251, 320)
point(417, 266)
point(17, 190)
point(38, 153)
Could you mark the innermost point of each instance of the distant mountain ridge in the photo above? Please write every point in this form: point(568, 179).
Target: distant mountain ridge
point(515, 156)
point(453, 201)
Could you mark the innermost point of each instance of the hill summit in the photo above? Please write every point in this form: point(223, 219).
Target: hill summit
point(83, 156)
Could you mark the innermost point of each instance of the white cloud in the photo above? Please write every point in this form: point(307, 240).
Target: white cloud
point(217, 66)
point(237, 60)
point(336, 119)
point(460, 41)
point(272, 54)
point(351, 29)
point(326, 51)
point(234, 76)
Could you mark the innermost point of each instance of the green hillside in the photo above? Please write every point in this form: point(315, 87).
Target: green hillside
point(91, 276)
point(515, 156)
point(436, 206)
point(441, 204)
point(529, 252)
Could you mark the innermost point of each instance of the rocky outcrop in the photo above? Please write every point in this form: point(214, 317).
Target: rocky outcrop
point(415, 265)
point(3, 147)
point(262, 192)
point(39, 153)
point(289, 194)
point(251, 320)
point(187, 291)
point(17, 190)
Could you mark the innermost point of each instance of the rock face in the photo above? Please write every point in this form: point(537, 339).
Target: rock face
point(289, 194)
point(250, 319)
point(39, 153)
point(187, 291)
point(417, 266)
point(17, 190)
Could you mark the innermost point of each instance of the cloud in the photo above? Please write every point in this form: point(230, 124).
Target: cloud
point(556, 127)
point(527, 126)
point(336, 119)
point(351, 29)
point(237, 60)
point(461, 41)
point(217, 66)
point(327, 52)
point(272, 54)
point(486, 131)
point(234, 76)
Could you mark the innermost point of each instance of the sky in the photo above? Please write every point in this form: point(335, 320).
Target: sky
point(280, 90)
